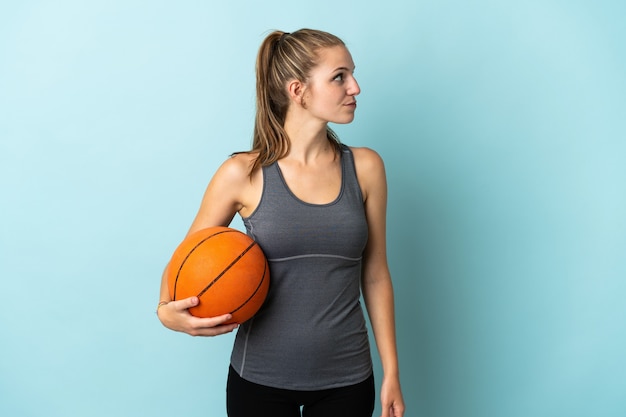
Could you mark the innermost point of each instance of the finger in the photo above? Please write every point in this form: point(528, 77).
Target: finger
point(397, 411)
point(388, 410)
point(185, 303)
point(213, 331)
point(211, 321)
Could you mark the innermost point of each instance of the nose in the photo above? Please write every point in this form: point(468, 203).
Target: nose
point(353, 88)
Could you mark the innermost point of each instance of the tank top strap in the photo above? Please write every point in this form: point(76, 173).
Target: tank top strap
point(350, 180)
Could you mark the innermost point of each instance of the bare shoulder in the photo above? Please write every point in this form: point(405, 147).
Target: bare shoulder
point(238, 165)
point(232, 189)
point(367, 156)
point(370, 169)
point(236, 169)
point(234, 181)
point(367, 161)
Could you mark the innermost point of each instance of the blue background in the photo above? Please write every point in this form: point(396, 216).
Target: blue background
point(503, 129)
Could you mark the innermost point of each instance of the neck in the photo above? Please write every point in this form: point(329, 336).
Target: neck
point(307, 138)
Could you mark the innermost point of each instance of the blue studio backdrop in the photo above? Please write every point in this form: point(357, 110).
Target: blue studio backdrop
point(503, 129)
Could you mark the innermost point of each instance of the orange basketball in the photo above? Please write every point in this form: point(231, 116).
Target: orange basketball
point(224, 268)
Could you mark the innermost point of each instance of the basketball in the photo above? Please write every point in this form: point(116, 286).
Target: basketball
point(224, 268)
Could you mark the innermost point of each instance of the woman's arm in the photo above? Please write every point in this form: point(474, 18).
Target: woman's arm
point(231, 190)
point(376, 280)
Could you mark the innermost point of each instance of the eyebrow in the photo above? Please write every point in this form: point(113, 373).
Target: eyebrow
point(344, 69)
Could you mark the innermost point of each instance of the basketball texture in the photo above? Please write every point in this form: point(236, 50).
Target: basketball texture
point(224, 268)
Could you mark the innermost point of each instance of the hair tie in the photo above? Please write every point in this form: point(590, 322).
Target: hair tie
point(282, 37)
point(279, 42)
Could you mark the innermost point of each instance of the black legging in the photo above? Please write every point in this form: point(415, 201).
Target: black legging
point(247, 399)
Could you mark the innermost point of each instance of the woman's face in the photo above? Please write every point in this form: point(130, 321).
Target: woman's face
point(331, 88)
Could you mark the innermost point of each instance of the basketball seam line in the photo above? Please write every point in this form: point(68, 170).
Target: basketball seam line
point(226, 269)
point(256, 290)
point(189, 254)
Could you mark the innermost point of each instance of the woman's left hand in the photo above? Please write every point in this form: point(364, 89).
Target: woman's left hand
point(391, 401)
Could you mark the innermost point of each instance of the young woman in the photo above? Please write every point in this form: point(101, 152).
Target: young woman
point(317, 208)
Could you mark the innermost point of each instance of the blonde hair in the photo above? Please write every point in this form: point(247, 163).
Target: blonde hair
point(283, 57)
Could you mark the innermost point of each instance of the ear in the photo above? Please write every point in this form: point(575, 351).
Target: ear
point(295, 89)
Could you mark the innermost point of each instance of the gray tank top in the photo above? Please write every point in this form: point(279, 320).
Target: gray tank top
point(310, 333)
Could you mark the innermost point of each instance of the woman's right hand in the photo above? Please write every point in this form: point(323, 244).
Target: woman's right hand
point(175, 315)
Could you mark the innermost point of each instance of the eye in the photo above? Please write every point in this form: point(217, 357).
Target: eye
point(338, 77)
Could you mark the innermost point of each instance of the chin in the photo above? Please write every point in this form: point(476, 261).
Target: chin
point(343, 120)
